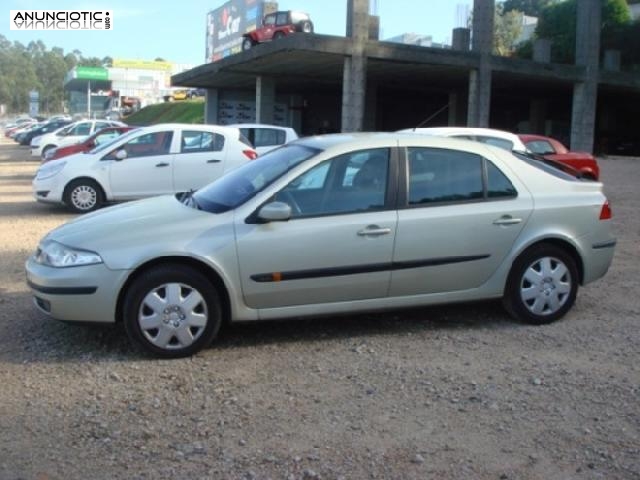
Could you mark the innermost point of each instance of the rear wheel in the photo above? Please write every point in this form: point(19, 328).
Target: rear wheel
point(83, 195)
point(172, 311)
point(306, 27)
point(542, 285)
point(278, 35)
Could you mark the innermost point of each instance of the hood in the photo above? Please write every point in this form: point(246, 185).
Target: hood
point(133, 224)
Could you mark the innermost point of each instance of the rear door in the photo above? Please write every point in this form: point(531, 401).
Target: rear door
point(461, 219)
point(200, 160)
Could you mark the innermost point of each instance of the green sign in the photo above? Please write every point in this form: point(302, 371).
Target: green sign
point(91, 73)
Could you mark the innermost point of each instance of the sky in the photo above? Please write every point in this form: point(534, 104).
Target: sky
point(175, 31)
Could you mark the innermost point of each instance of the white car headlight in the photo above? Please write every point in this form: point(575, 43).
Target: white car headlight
point(49, 169)
point(54, 254)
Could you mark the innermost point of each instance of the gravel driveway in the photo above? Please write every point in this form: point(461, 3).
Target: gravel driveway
point(456, 392)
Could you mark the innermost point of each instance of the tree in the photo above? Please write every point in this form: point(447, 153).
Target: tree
point(507, 29)
point(532, 8)
point(557, 22)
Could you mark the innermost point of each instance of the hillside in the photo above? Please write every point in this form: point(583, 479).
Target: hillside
point(171, 112)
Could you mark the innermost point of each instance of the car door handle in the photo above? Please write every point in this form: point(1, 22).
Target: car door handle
point(214, 161)
point(374, 231)
point(507, 220)
point(162, 164)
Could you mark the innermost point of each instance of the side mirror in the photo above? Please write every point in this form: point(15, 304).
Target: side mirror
point(121, 154)
point(275, 212)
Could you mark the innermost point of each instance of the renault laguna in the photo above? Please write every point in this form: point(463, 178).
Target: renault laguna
point(327, 225)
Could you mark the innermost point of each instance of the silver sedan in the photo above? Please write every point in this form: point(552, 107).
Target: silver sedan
point(326, 225)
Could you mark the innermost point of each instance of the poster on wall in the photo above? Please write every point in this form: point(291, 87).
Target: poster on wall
point(230, 112)
point(226, 24)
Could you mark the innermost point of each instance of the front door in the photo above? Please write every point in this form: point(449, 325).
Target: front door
point(338, 244)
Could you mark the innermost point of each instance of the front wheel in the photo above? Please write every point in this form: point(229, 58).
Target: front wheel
point(172, 311)
point(247, 43)
point(542, 285)
point(83, 195)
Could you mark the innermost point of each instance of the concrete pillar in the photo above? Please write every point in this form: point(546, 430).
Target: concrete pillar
point(537, 116)
point(265, 99)
point(211, 106)
point(479, 108)
point(355, 66)
point(457, 109)
point(296, 105)
point(461, 39)
point(585, 92)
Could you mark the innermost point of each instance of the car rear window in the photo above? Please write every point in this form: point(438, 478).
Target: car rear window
point(552, 168)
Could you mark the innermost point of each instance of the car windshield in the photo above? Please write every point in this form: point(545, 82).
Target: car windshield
point(243, 183)
point(105, 145)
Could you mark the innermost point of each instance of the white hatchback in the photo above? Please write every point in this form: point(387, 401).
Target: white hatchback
point(265, 137)
point(149, 161)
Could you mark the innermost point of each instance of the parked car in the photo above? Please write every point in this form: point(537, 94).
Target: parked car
point(498, 138)
point(265, 137)
point(552, 149)
point(160, 159)
point(277, 25)
point(36, 130)
point(331, 224)
point(73, 133)
point(105, 135)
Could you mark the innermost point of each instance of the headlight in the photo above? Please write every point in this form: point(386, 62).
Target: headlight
point(55, 254)
point(49, 169)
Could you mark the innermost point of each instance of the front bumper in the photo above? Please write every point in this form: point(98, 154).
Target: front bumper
point(76, 294)
point(49, 190)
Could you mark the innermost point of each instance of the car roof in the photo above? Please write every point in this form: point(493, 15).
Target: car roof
point(489, 132)
point(258, 125)
point(192, 126)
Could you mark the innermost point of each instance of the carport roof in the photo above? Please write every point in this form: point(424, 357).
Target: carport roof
point(302, 62)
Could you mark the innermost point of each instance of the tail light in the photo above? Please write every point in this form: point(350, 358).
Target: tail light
point(250, 154)
point(605, 212)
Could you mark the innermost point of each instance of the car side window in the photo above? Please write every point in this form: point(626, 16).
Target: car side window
point(194, 141)
point(269, 20)
point(353, 182)
point(282, 18)
point(440, 175)
point(541, 147)
point(156, 143)
point(81, 129)
point(266, 137)
point(498, 185)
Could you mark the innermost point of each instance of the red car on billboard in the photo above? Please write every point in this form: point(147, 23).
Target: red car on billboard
point(103, 136)
point(552, 149)
point(277, 25)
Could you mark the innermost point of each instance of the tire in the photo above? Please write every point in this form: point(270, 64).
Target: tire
point(247, 43)
point(542, 285)
point(83, 195)
point(278, 35)
point(172, 311)
point(306, 27)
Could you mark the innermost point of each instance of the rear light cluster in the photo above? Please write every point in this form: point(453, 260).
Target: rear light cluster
point(605, 212)
point(250, 154)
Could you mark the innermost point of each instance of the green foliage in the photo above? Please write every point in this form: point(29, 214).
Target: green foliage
point(507, 28)
point(532, 8)
point(557, 22)
point(34, 67)
point(179, 112)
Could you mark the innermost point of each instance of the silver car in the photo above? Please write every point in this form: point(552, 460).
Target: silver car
point(326, 225)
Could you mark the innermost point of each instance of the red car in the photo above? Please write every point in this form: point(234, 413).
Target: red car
point(552, 149)
point(277, 25)
point(102, 136)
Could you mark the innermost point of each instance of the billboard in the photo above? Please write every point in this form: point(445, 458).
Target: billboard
point(226, 24)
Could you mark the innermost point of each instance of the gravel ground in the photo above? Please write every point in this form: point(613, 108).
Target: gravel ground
point(457, 392)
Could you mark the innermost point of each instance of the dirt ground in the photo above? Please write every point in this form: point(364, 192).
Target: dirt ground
point(456, 392)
